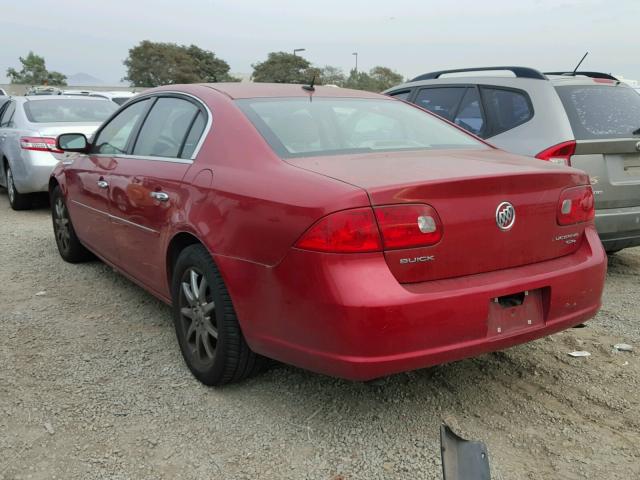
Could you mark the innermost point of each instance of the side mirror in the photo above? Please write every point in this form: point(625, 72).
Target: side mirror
point(72, 142)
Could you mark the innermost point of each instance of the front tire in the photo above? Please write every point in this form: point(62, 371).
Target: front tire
point(207, 328)
point(17, 200)
point(69, 246)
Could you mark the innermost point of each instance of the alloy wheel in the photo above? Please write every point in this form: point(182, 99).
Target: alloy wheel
point(197, 317)
point(61, 221)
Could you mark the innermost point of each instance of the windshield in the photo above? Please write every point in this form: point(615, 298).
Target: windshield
point(601, 111)
point(66, 110)
point(300, 127)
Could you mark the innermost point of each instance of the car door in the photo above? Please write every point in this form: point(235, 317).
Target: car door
point(146, 186)
point(6, 133)
point(88, 181)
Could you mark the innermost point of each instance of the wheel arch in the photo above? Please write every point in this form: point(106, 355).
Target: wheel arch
point(178, 242)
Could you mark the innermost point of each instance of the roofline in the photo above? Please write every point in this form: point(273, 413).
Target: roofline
point(519, 72)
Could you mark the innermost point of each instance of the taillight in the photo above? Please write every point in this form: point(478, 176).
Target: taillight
point(560, 153)
point(358, 230)
point(39, 144)
point(576, 205)
point(408, 226)
point(347, 231)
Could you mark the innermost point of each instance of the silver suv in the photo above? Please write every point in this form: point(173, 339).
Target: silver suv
point(588, 120)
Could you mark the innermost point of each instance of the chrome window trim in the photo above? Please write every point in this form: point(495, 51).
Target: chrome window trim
point(144, 157)
point(205, 132)
point(113, 217)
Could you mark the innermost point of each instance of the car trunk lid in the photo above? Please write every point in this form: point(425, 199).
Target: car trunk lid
point(465, 188)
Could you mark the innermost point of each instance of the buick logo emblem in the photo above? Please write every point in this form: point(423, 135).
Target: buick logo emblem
point(505, 216)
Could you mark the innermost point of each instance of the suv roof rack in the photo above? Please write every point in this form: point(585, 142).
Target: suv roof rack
point(520, 72)
point(586, 74)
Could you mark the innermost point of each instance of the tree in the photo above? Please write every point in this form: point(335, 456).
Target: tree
point(331, 76)
point(282, 67)
point(384, 78)
point(34, 72)
point(150, 64)
point(378, 79)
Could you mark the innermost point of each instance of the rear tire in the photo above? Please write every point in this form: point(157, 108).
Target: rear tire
point(69, 246)
point(17, 200)
point(207, 328)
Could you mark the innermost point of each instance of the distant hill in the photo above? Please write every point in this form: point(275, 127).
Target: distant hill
point(83, 79)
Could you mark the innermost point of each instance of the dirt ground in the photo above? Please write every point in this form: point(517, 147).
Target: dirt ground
point(92, 386)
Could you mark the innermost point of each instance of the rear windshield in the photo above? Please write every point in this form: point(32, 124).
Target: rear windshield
point(300, 127)
point(68, 110)
point(601, 111)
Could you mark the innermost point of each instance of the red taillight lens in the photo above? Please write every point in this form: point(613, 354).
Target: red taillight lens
point(348, 231)
point(407, 226)
point(576, 205)
point(560, 153)
point(39, 144)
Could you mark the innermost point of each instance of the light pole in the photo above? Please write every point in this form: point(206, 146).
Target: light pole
point(356, 55)
point(296, 50)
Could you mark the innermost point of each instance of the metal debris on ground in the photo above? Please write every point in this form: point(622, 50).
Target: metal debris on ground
point(579, 353)
point(623, 347)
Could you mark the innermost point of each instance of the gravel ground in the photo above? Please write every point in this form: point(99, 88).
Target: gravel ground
point(92, 386)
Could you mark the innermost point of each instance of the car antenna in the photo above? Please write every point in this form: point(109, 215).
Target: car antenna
point(579, 63)
point(310, 87)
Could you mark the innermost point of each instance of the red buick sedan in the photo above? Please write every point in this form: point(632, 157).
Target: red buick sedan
point(341, 231)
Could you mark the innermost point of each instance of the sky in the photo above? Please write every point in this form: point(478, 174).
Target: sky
point(411, 37)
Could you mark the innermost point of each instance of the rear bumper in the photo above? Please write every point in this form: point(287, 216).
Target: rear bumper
point(32, 175)
point(347, 316)
point(619, 227)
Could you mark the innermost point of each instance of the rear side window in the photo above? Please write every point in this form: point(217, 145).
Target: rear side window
point(506, 109)
point(601, 111)
point(194, 136)
point(441, 101)
point(469, 114)
point(165, 129)
point(402, 95)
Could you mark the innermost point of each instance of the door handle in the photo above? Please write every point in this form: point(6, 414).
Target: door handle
point(160, 196)
point(102, 184)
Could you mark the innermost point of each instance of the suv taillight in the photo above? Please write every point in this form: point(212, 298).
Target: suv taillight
point(576, 205)
point(560, 153)
point(361, 230)
point(39, 144)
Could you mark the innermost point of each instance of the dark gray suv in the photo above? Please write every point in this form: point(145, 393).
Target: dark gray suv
point(588, 120)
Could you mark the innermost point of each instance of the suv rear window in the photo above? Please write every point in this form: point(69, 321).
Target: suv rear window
point(299, 127)
point(601, 111)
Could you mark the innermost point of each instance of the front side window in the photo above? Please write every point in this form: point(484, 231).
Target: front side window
point(165, 129)
point(114, 137)
point(441, 101)
point(298, 127)
point(506, 109)
point(601, 111)
point(68, 110)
